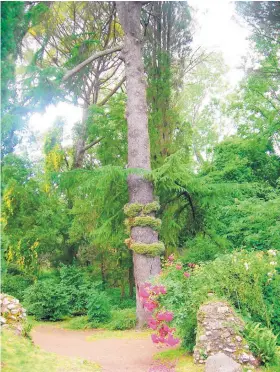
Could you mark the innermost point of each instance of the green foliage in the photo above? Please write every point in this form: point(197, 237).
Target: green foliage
point(76, 286)
point(26, 329)
point(109, 123)
point(245, 160)
point(98, 307)
point(15, 285)
point(203, 248)
point(272, 299)
point(122, 319)
point(263, 343)
point(253, 223)
point(28, 204)
point(242, 278)
point(47, 300)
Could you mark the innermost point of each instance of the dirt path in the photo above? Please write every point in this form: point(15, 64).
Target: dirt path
point(113, 354)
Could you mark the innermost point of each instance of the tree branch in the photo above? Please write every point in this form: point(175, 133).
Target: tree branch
point(89, 60)
point(101, 103)
point(87, 147)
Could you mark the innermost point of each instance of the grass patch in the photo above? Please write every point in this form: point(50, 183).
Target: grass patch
point(19, 354)
point(121, 320)
point(180, 357)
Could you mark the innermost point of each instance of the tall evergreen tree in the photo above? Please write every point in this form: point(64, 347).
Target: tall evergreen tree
point(143, 238)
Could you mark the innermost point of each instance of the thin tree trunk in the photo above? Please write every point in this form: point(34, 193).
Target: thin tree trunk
point(140, 190)
point(79, 150)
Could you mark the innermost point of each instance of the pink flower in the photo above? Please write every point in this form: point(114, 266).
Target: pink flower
point(166, 316)
point(179, 267)
point(171, 257)
point(171, 341)
point(152, 323)
point(192, 265)
point(156, 290)
point(150, 305)
point(166, 328)
point(187, 275)
point(154, 338)
point(143, 293)
point(162, 289)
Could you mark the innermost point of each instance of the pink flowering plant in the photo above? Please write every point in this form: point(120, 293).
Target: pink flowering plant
point(156, 300)
point(160, 318)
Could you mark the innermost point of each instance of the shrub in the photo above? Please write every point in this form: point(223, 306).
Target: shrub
point(47, 300)
point(244, 279)
point(125, 303)
point(263, 343)
point(98, 307)
point(122, 319)
point(202, 248)
point(76, 288)
point(117, 301)
point(15, 285)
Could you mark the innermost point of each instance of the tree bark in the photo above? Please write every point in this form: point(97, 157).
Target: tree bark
point(140, 190)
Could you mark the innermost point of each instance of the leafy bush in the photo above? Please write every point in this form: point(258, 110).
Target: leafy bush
point(15, 285)
point(98, 307)
point(47, 300)
point(119, 302)
point(263, 343)
point(122, 319)
point(202, 248)
point(76, 287)
point(246, 279)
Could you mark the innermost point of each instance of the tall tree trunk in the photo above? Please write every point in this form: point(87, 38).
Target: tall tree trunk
point(140, 190)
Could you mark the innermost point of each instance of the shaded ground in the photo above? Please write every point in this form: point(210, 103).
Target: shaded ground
point(112, 354)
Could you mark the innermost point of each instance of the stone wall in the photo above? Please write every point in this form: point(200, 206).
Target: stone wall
point(219, 330)
point(13, 315)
